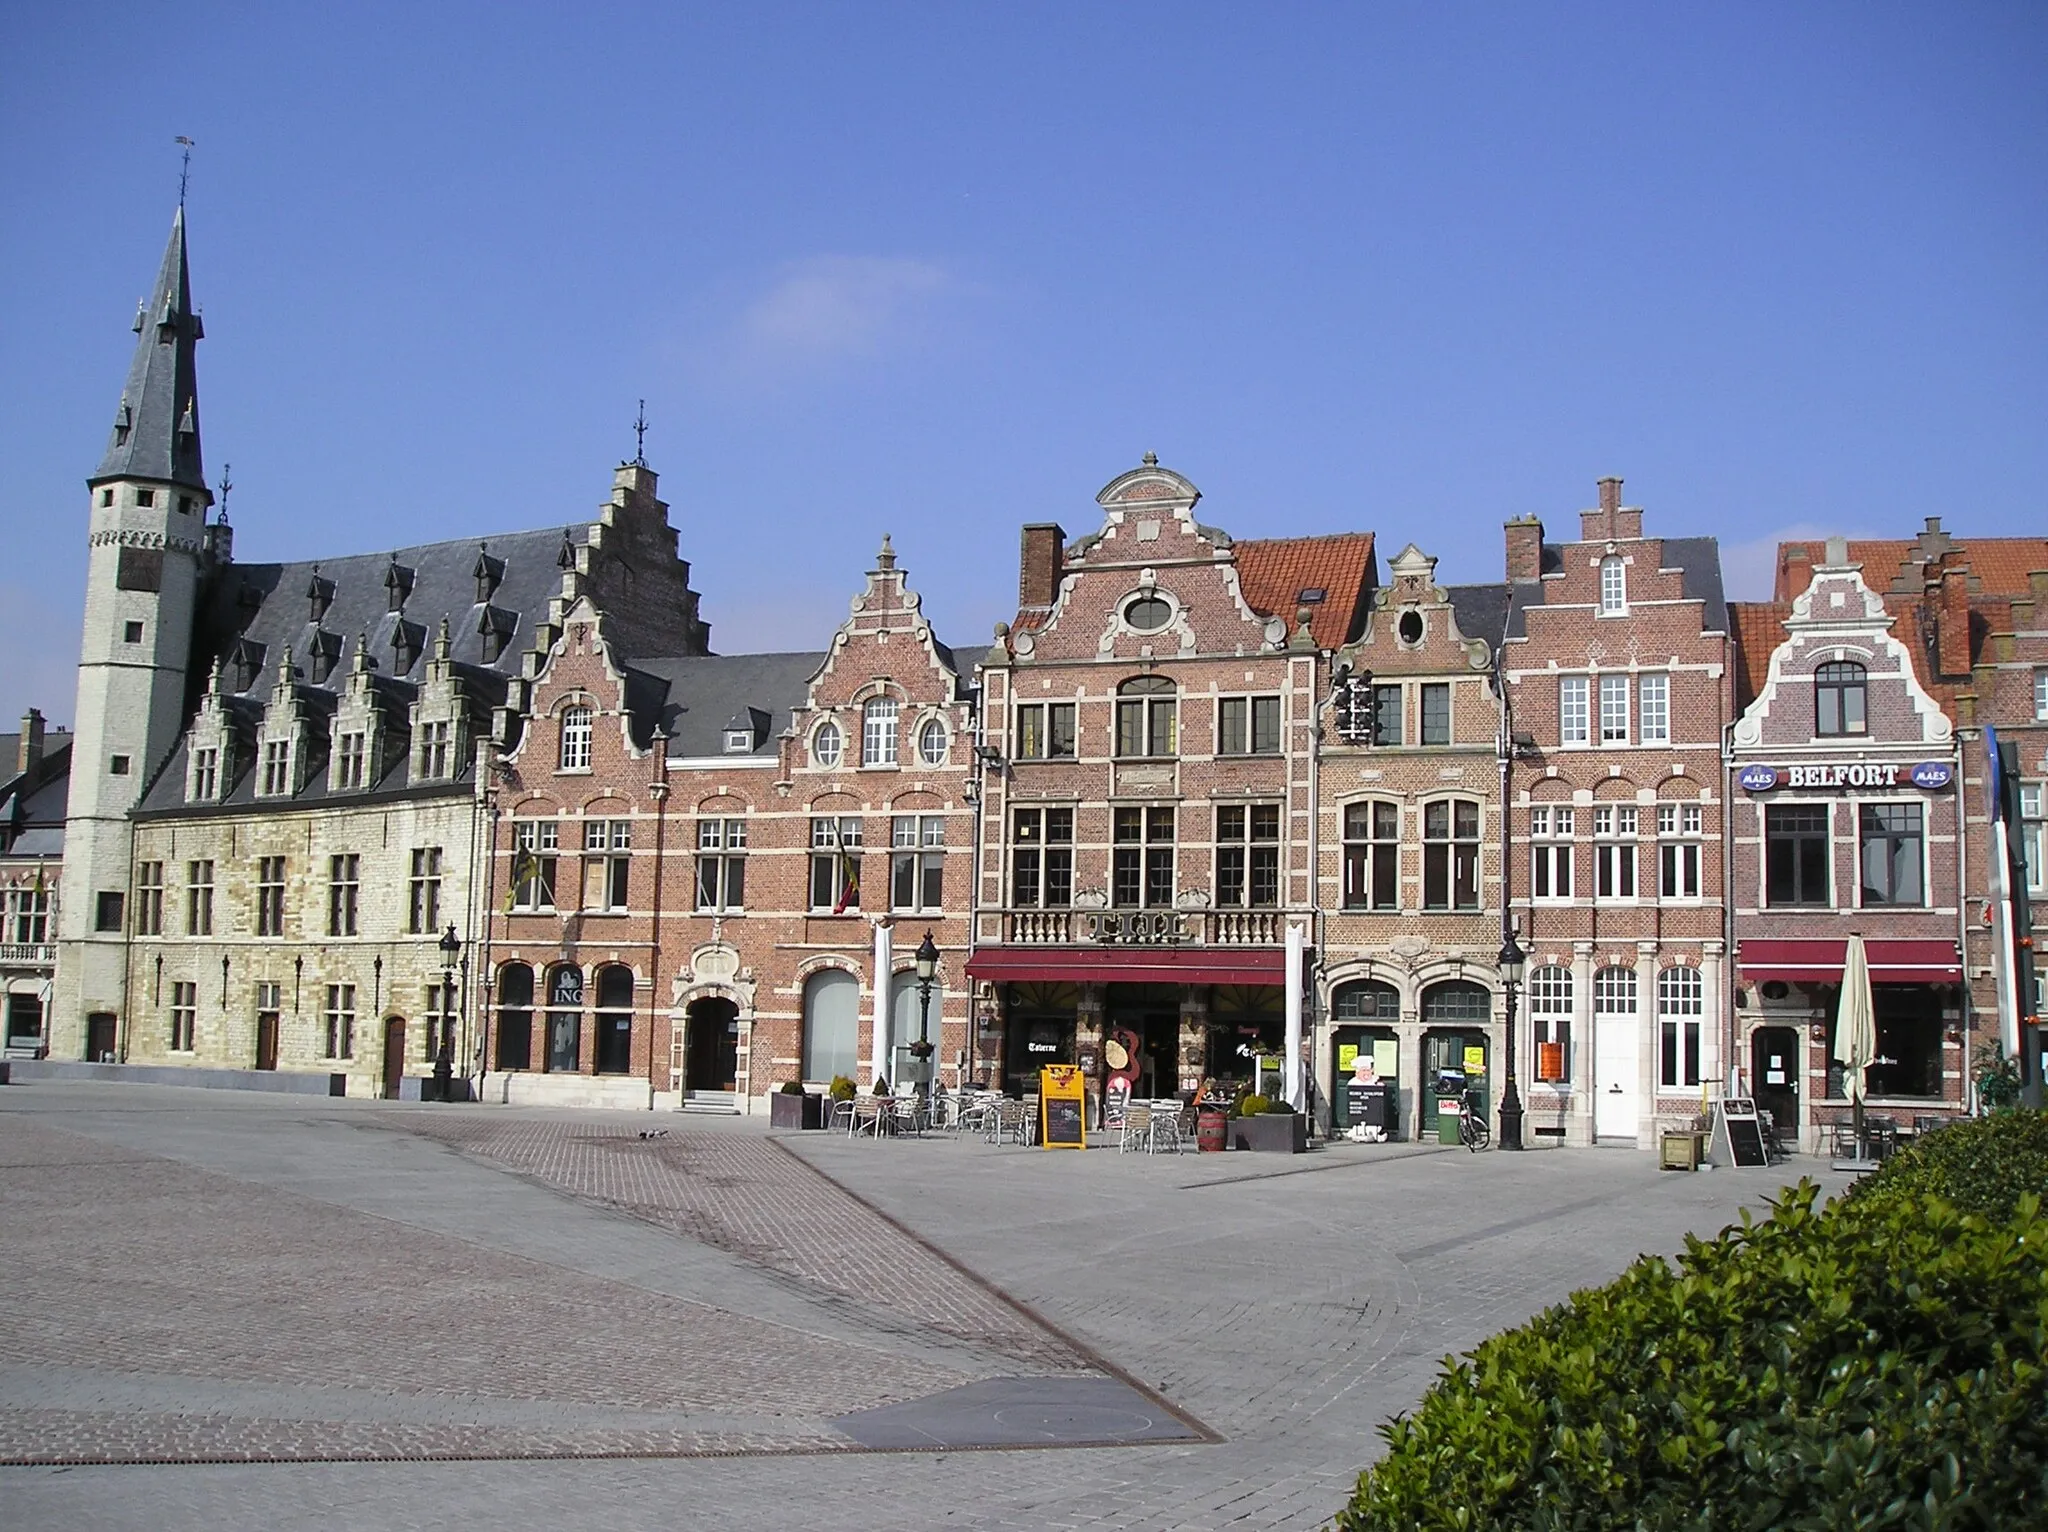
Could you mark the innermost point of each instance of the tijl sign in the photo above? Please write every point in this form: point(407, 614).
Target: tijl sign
point(1930, 775)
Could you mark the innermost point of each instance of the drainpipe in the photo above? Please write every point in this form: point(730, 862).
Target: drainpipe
point(658, 790)
point(1318, 927)
point(1734, 1072)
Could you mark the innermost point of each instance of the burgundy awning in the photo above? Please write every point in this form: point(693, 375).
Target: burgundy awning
point(1819, 961)
point(1130, 965)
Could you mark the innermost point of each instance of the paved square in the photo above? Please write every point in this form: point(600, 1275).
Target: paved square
point(228, 1310)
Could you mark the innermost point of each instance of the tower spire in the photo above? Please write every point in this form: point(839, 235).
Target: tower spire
point(156, 425)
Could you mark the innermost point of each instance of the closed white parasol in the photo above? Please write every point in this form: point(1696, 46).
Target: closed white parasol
point(1856, 1029)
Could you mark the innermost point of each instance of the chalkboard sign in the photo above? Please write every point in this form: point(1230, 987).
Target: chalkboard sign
point(1369, 1105)
point(1062, 1099)
point(1738, 1134)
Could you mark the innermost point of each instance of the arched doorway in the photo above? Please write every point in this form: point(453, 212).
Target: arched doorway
point(394, 1056)
point(1454, 1040)
point(711, 1044)
point(614, 1020)
point(565, 1018)
point(1363, 1014)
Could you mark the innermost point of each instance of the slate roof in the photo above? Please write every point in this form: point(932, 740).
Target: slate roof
point(32, 805)
point(1273, 572)
point(1697, 560)
point(155, 434)
point(1481, 610)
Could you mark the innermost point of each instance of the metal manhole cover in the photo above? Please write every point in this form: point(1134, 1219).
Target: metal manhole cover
point(1074, 1423)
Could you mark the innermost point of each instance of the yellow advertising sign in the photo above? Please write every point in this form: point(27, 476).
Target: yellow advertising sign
point(1062, 1108)
point(1475, 1062)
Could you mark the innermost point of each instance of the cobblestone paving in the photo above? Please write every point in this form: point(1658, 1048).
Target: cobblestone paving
point(1292, 1306)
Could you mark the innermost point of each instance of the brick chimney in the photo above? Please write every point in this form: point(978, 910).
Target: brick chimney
point(1952, 622)
point(1524, 548)
point(1613, 521)
point(30, 753)
point(1040, 565)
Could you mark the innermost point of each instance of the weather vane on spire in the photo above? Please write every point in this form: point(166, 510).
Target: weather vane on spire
point(226, 484)
point(185, 170)
point(640, 437)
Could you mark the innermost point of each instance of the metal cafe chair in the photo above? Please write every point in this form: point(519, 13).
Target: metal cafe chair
point(1166, 1129)
point(1137, 1129)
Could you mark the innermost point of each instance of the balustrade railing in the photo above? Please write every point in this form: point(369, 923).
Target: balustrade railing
point(28, 954)
point(1158, 928)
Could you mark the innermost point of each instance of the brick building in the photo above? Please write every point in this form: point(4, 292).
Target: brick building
point(31, 856)
point(706, 863)
point(1147, 881)
point(1409, 843)
point(1617, 671)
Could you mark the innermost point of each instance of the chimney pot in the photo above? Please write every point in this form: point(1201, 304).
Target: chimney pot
point(1524, 548)
point(1610, 494)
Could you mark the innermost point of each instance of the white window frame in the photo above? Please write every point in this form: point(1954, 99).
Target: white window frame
point(1653, 707)
point(1553, 850)
point(1613, 586)
point(543, 838)
point(933, 741)
point(1681, 1015)
point(1614, 709)
point(1574, 710)
point(579, 728)
point(828, 745)
point(340, 1016)
point(722, 865)
point(879, 720)
point(1551, 990)
point(917, 851)
point(1616, 870)
point(1680, 854)
point(2034, 842)
point(607, 853)
point(2041, 693)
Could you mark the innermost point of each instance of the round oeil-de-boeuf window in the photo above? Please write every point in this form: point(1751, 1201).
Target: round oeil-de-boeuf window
point(1148, 614)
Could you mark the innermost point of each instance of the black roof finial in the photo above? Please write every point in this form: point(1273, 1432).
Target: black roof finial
point(640, 437)
point(226, 484)
point(185, 170)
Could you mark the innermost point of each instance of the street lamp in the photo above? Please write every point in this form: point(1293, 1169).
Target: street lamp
point(927, 960)
point(444, 1055)
point(1513, 964)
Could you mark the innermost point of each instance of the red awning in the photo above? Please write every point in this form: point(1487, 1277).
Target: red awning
point(1130, 965)
point(1820, 961)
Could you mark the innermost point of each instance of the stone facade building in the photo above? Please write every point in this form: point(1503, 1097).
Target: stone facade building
point(1617, 670)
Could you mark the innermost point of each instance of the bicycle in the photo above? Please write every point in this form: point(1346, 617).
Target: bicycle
point(1473, 1131)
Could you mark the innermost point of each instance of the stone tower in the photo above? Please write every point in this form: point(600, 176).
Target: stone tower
point(147, 529)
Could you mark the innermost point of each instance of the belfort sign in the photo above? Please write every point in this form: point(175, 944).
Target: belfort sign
point(1930, 775)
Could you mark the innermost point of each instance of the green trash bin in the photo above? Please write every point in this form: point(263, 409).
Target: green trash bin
point(1449, 1119)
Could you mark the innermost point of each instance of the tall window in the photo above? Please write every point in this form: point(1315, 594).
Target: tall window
point(828, 747)
point(1573, 718)
point(2041, 693)
point(1386, 715)
point(1839, 698)
point(1614, 851)
point(1653, 700)
point(424, 906)
point(1613, 587)
point(1372, 856)
point(536, 848)
point(277, 768)
point(1248, 855)
point(1045, 731)
point(831, 1025)
point(270, 896)
point(1550, 1018)
point(1436, 713)
point(1450, 854)
point(437, 1013)
point(349, 756)
point(1141, 861)
point(435, 750)
point(205, 773)
point(199, 898)
point(343, 886)
point(515, 1016)
point(1550, 835)
point(2034, 843)
point(1891, 853)
point(576, 730)
point(878, 732)
point(184, 1015)
point(1042, 861)
point(565, 1018)
point(1679, 1011)
point(614, 1054)
point(1147, 718)
point(721, 864)
point(1614, 710)
point(1248, 726)
point(1678, 850)
point(917, 862)
point(149, 899)
point(607, 863)
point(835, 863)
point(28, 912)
point(341, 1021)
point(1795, 853)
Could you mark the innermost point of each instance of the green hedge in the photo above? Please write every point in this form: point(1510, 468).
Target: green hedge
point(1878, 1363)
point(1982, 1166)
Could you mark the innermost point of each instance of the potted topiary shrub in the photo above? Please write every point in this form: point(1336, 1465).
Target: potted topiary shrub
point(1269, 1125)
point(791, 1106)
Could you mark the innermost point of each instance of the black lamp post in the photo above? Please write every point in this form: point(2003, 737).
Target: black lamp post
point(927, 960)
point(444, 1054)
point(1513, 964)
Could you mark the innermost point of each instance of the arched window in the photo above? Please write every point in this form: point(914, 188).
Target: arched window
point(1840, 691)
point(1456, 1001)
point(1147, 717)
point(931, 743)
point(1680, 1007)
point(831, 1025)
point(1365, 1000)
point(565, 1017)
point(515, 1016)
point(576, 739)
point(1613, 586)
point(1450, 854)
point(614, 1020)
point(1550, 1019)
point(878, 732)
point(826, 745)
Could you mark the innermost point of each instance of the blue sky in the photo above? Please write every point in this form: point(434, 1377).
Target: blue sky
point(938, 270)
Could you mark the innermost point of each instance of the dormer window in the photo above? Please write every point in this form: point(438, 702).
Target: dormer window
point(489, 574)
point(1613, 587)
point(123, 424)
point(738, 741)
point(437, 749)
point(277, 768)
point(319, 596)
point(248, 664)
point(326, 654)
point(407, 640)
point(397, 585)
point(576, 732)
point(351, 755)
point(497, 627)
point(205, 785)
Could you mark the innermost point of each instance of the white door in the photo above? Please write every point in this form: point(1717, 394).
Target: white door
point(1616, 1083)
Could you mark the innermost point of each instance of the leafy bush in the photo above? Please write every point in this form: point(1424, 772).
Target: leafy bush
point(1882, 1362)
point(791, 1087)
point(1998, 1077)
point(1252, 1106)
point(842, 1089)
point(1281, 1105)
point(1983, 1166)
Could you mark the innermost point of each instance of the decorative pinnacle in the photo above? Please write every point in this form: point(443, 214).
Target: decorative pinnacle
point(886, 559)
point(1151, 460)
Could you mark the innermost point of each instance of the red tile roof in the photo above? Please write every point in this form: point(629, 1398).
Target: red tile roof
point(1999, 565)
point(1273, 572)
point(1759, 627)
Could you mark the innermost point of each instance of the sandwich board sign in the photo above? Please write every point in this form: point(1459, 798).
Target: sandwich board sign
point(1062, 1108)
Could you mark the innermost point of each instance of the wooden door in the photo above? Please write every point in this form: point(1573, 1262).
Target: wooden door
point(394, 1056)
point(99, 1037)
point(266, 1040)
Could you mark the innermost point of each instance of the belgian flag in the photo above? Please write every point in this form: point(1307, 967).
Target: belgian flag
point(525, 867)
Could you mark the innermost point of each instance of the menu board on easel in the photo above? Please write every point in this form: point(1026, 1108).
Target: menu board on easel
point(1062, 1108)
point(1738, 1135)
